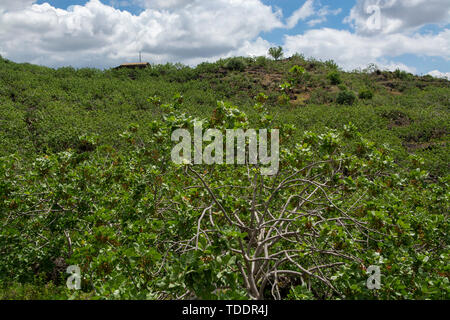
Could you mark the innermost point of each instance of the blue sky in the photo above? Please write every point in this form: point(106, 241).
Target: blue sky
point(413, 36)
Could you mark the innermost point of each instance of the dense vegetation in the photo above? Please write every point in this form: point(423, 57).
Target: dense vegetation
point(86, 179)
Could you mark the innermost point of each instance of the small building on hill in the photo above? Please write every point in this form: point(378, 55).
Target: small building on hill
point(135, 65)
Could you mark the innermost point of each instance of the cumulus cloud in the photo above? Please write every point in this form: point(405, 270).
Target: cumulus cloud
point(438, 74)
point(11, 5)
point(192, 31)
point(372, 17)
point(385, 30)
point(99, 35)
point(353, 51)
point(163, 4)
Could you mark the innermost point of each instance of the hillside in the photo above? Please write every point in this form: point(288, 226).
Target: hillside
point(86, 179)
point(45, 109)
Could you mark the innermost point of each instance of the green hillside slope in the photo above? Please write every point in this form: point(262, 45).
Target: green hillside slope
point(86, 179)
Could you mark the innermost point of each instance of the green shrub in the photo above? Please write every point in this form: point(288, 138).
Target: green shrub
point(298, 58)
point(346, 97)
point(261, 61)
point(332, 65)
point(283, 99)
point(365, 94)
point(206, 67)
point(334, 77)
point(321, 96)
point(402, 75)
point(116, 215)
point(297, 70)
point(299, 74)
point(235, 64)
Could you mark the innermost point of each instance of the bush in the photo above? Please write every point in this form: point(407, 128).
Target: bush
point(261, 61)
point(402, 75)
point(334, 77)
point(346, 97)
point(207, 67)
point(365, 94)
point(235, 64)
point(321, 96)
point(332, 65)
point(283, 99)
point(130, 203)
point(298, 58)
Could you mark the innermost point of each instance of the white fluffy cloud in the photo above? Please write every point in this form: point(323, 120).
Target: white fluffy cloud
point(10, 5)
point(385, 30)
point(192, 31)
point(99, 35)
point(438, 74)
point(163, 4)
point(352, 50)
point(372, 17)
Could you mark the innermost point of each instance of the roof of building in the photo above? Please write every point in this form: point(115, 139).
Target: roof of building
point(134, 65)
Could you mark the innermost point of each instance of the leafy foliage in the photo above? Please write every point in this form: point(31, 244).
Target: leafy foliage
point(365, 94)
point(334, 77)
point(346, 97)
point(236, 64)
point(86, 179)
point(276, 52)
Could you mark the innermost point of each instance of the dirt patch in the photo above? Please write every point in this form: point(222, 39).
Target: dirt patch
point(391, 86)
point(397, 119)
point(268, 80)
point(303, 96)
point(439, 133)
point(333, 89)
point(391, 82)
point(299, 99)
point(417, 146)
